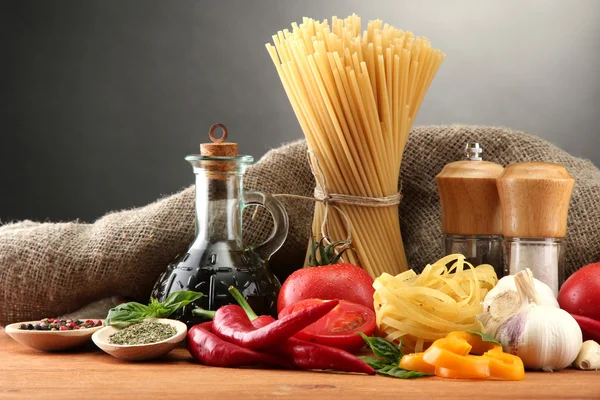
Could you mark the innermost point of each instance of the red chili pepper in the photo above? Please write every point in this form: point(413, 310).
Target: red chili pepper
point(232, 324)
point(209, 349)
point(589, 327)
point(305, 355)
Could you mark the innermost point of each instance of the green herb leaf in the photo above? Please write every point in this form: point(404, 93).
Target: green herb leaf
point(388, 358)
point(484, 337)
point(128, 313)
point(397, 372)
point(178, 300)
point(157, 309)
point(383, 349)
point(375, 363)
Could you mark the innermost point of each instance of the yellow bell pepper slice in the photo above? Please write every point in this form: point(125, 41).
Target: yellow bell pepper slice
point(478, 345)
point(456, 346)
point(457, 374)
point(449, 358)
point(505, 366)
point(463, 365)
point(415, 362)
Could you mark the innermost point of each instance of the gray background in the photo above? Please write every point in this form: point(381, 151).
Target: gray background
point(101, 100)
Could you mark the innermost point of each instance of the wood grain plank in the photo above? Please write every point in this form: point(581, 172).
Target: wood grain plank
point(91, 374)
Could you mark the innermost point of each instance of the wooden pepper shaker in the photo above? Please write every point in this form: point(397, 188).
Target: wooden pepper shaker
point(471, 213)
point(535, 202)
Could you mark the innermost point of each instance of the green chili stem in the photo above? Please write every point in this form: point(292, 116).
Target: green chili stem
point(200, 312)
point(243, 303)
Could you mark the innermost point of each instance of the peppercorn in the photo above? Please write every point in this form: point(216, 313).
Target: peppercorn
point(55, 324)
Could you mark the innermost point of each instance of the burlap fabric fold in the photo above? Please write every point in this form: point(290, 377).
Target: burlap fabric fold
point(47, 269)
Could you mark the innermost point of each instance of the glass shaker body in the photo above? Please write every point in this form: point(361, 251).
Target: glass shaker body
point(545, 257)
point(478, 249)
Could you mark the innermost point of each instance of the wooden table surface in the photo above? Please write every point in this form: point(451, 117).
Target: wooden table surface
point(89, 373)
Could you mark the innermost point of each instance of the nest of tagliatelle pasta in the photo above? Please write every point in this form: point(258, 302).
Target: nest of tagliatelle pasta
point(417, 309)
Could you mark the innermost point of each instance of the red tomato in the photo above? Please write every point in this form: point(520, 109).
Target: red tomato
point(339, 281)
point(580, 294)
point(338, 328)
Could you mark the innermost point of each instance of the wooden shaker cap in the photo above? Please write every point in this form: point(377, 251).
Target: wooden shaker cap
point(535, 200)
point(469, 198)
point(218, 147)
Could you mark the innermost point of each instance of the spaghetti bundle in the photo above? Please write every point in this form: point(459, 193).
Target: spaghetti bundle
point(356, 97)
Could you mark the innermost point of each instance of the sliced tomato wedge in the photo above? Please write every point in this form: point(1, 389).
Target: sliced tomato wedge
point(338, 328)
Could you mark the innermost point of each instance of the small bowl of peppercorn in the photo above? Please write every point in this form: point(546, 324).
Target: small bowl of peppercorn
point(145, 340)
point(54, 334)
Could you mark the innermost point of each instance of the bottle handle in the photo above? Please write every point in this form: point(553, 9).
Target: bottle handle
point(280, 221)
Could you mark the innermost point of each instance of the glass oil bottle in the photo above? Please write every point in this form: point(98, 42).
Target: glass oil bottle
point(218, 258)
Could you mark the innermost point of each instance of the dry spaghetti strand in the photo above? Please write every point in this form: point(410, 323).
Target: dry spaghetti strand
point(356, 96)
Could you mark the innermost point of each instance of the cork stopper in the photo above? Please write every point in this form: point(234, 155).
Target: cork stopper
point(535, 200)
point(469, 198)
point(218, 147)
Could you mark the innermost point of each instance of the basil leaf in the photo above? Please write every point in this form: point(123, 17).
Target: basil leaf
point(132, 312)
point(375, 363)
point(158, 309)
point(396, 372)
point(177, 300)
point(126, 314)
point(388, 358)
point(383, 349)
point(484, 337)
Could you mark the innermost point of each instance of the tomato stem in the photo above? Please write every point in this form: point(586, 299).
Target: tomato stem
point(326, 253)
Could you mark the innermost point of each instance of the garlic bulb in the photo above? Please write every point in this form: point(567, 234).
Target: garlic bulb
point(504, 300)
point(545, 293)
point(544, 337)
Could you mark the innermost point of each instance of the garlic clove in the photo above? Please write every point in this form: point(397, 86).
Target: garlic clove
point(589, 356)
point(505, 304)
point(507, 283)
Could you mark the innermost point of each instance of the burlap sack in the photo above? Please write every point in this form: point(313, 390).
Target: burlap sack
point(49, 269)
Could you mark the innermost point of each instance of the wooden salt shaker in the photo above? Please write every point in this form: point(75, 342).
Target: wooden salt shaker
point(535, 202)
point(471, 213)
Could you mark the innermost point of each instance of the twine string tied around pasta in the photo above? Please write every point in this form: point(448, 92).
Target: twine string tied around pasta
point(323, 195)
